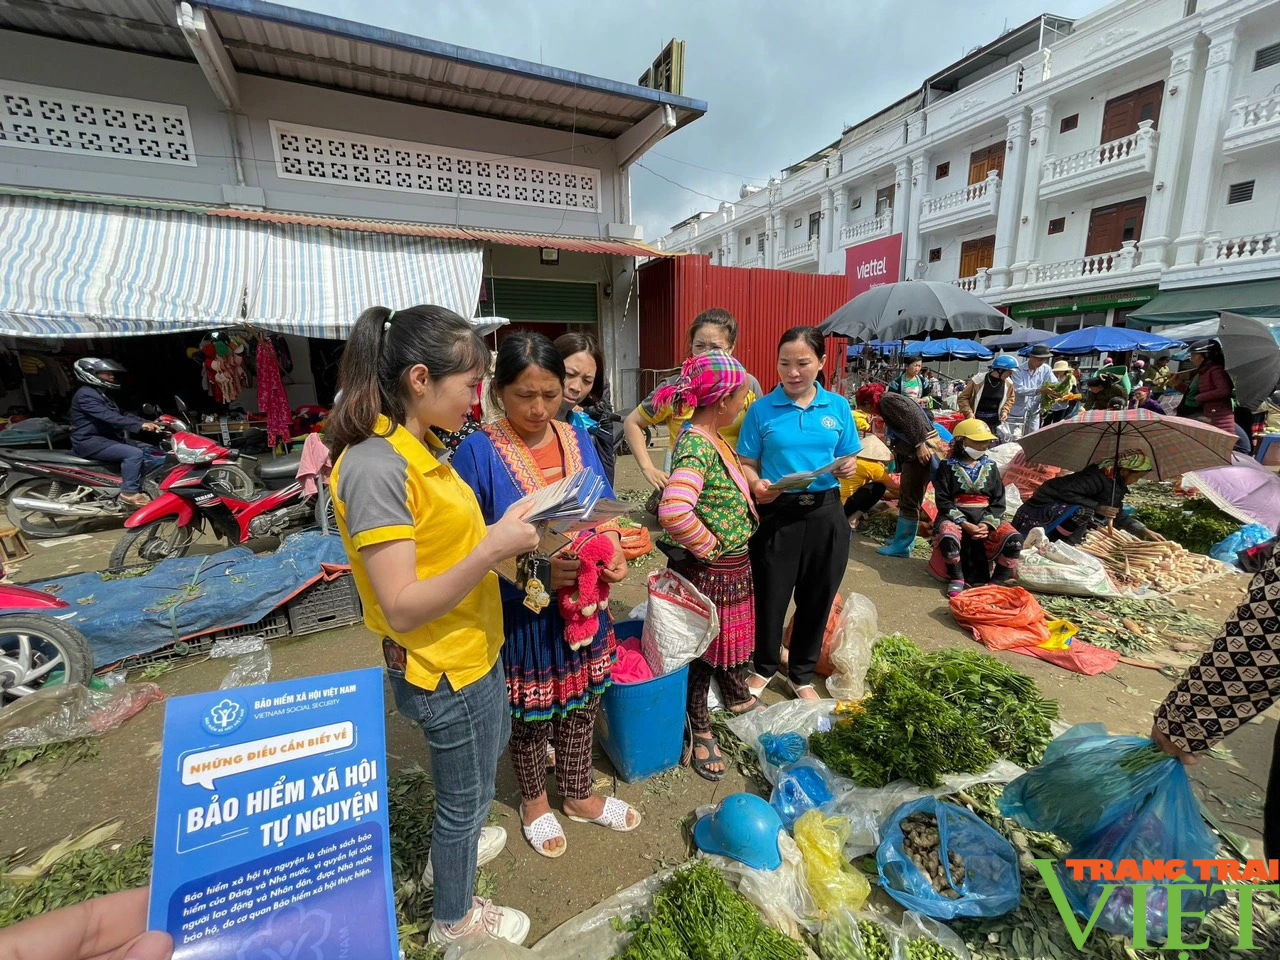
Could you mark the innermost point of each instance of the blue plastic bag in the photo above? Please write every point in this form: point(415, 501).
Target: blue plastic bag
point(783, 748)
point(802, 786)
point(1248, 536)
point(1115, 798)
point(992, 885)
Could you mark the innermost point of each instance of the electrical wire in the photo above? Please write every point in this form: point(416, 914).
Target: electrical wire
point(655, 153)
point(676, 183)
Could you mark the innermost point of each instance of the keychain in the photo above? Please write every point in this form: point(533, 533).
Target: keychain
point(536, 573)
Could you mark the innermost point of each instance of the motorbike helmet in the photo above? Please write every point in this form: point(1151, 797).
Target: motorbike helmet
point(90, 369)
point(744, 828)
point(972, 429)
point(1004, 363)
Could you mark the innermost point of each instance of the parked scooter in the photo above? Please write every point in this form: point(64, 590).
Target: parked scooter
point(191, 499)
point(54, 493)
point(38, 649)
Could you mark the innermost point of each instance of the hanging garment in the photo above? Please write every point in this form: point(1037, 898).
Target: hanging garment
point(271, 396)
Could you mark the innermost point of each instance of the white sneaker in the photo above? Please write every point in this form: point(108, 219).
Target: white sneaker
point(487, 919)
point(492, 842)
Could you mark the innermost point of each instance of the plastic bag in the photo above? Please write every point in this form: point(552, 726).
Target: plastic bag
point(1000, 618)
point(802, 717)
point(680, 624)
point(1012, 501)
point(1049, 567)
point(991, 886)
point(824, 667)
point(781, 749)
point(236, 646)
point(842, 938)
point(916, 926)
point(832, 881)
point(1114, 798)
point(856, 632)
point(69, 711)
point(591, 935)
point(782, 896)
point(481, 947)
point(1247, 536)
point(250, 669)
point(801, 787)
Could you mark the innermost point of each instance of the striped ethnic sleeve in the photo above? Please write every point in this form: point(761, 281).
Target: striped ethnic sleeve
point(677, 516)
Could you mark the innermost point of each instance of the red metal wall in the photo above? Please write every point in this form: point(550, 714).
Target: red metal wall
point(765, 302)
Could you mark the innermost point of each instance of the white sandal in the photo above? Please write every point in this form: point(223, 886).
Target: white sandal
point(542, 830)
point(751, 681)
point(799, 695)
point(614, 816)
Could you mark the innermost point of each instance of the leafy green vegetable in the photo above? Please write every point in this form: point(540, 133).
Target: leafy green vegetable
point(77, 877)
point(696, 915)
point(1196, 524)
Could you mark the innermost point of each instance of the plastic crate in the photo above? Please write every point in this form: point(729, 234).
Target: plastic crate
point(324, 605)
point(271, 627)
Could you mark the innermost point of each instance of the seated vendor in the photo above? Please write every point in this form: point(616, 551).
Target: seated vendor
point(1068, 506)
point(1106, 391)
point(872, 482)
point(973, 544)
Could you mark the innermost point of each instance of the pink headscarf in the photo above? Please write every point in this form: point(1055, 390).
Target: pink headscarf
point(704, 380)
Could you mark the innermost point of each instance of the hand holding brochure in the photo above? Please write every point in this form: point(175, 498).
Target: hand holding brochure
point(801, 481)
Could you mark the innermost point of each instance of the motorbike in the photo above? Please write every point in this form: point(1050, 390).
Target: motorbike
point(54, 493)
point(192, 500)
point(36, 648)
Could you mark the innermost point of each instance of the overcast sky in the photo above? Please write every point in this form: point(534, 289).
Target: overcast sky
point(778, 83)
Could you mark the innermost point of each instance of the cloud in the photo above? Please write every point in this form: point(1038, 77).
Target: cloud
point(780, 81)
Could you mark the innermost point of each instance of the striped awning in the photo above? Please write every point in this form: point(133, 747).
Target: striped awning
point(74, 269)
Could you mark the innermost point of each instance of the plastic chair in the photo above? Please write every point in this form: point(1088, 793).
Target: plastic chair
point(1264, 455)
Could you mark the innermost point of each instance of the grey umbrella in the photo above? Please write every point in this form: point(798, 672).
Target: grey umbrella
point(895, 310)
point(1252, 358)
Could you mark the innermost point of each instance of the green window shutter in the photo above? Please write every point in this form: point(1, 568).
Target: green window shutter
point(540, 301)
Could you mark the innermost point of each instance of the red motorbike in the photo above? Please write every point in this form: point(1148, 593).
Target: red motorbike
point(191, 501)
point(36, 648)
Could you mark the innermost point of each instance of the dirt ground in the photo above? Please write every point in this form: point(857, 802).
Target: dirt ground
point(43, 803)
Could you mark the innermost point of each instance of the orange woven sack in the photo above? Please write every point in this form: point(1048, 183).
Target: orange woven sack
point(636, 542)
point(825, 667)
point(1001, 618)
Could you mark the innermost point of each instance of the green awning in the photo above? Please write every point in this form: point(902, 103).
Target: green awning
point(1260, 298)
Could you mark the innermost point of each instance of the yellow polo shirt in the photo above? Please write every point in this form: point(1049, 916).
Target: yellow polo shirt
point(391, 487)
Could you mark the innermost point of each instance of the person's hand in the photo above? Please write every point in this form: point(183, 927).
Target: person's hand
point(1109, 513)
point(616, 568)
point(513, 535)
point(892, 491)
point(1171, 748)
point(847, 470)
point(106, 928)
point(564, 570)
point(763, 491)
point(656, 477)
point(923, 453)
point(151, 427)
point(1152, 535)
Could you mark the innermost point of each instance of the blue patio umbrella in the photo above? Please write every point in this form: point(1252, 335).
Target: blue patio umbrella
point(948, 348)
point(1025, 337)
point(879, 346)
point(1106, 340)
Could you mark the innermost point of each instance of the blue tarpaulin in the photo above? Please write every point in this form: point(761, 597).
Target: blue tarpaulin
point(191, 596)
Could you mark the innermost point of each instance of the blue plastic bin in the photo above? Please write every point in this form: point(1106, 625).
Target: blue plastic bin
point(641, 725)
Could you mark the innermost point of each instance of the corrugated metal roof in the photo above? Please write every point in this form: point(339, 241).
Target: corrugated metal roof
point(278, 41)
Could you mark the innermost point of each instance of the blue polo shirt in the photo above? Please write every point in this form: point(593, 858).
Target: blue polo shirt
point(787, 438)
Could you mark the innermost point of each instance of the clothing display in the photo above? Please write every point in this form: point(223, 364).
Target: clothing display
point(272, 399)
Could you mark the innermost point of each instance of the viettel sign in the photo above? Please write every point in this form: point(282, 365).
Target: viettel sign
point(872, 263)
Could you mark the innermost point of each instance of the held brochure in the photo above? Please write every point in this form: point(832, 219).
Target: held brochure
point(800, 481)
point(271, 832)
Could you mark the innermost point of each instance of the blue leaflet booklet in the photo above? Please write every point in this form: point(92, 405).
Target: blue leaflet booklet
point(271, 834)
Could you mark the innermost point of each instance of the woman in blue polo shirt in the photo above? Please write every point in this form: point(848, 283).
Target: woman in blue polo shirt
point(802, 544)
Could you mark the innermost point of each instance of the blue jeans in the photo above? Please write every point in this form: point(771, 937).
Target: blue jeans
point(132, 457)
point(466, 732)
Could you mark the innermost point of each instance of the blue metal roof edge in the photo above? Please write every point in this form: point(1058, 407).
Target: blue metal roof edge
point(351, 30)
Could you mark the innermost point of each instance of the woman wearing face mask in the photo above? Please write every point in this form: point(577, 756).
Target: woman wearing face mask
point(973, 544)
point(802, 546)
point(713, 329)
point(553, 690)
point(422, 559)
point(586, 396)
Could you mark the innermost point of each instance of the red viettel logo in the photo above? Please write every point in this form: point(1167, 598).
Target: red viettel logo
point(873, 269)
point(872, 263)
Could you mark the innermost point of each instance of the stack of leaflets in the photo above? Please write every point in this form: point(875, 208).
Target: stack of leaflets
point(801, 481)
point(575, 503)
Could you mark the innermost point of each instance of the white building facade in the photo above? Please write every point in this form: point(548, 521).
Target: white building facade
point(1068, 171)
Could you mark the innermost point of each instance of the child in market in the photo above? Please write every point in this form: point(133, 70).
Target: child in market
point(707, 510)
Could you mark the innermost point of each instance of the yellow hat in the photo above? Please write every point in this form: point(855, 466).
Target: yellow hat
point(972, 429)
point(861, 421)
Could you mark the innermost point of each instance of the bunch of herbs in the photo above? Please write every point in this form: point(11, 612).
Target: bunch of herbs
point(78, 876)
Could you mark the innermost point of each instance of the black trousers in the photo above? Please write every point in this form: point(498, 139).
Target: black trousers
point(1271, 808)
point(800, 549)
point(864, 498)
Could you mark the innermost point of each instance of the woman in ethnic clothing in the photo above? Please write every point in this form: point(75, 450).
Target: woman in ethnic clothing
point(973, 544)
point(554, 691)
point(1068, 506)
point(707, 510)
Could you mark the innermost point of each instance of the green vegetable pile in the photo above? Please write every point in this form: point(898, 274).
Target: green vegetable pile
point(930, 714)
point(74, 878)
point(697, 916)
point(922, 948)
point(1196, 524)
point(837, 941)
point(1130, 627)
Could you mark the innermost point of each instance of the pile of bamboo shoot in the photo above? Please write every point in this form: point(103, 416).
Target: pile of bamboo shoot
point(1162, 565)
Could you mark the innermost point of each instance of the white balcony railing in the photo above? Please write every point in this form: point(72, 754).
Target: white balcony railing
point(980, 282)
point(798, 253)
point(973, 202)
point(751, 262)
point(1253, 247)
point(866, 228)
point(1134, 155)
point(1252, 124)
point(1081, 268)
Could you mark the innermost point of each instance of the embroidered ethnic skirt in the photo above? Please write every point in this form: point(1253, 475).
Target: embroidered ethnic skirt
point(545, 678)
point(727, 583)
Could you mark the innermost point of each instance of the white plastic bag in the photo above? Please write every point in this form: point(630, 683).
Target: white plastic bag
point(856, 632)
point(250, 669)
point(1003, 455)
point(782, 896)
point(789, 716)
point(1012, 501)
point(680, 625)
point(1049, 567)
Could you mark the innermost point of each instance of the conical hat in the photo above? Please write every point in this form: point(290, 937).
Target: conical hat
point(873, 448)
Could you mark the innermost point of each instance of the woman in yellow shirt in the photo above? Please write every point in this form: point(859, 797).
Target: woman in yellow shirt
point(423, 558)
point(713, 329)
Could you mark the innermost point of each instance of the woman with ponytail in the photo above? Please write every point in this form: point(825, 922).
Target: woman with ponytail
point(423, 561)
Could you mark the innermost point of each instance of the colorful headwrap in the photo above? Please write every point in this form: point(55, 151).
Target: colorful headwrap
point(705, 379)
point(1135, 460)
point(869, 395)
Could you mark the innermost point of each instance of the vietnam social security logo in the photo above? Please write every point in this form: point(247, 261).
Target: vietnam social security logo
point(223, 717)
point(830, 422)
